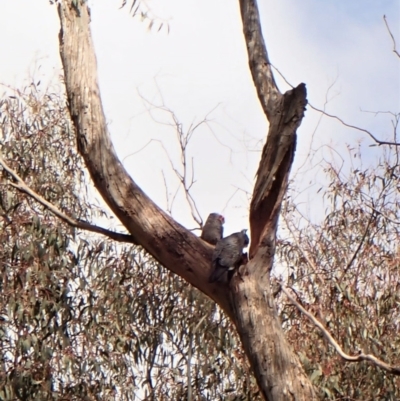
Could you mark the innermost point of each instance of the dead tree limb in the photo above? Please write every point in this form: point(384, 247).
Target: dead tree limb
point(395, 370)
point(83, 225)
point(277, 368)
point(167, 241)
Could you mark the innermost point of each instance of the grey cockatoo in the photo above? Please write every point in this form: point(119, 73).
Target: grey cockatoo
point(213, 230)
point(228, 254)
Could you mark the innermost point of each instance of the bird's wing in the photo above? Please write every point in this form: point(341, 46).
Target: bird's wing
point(217, 273)
point(227, 252)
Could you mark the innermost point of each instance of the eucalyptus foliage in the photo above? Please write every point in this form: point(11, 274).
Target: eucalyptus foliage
point(346, 271)
point(84, 318)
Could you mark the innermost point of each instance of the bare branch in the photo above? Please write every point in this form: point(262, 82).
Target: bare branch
point(379, 142)
point(260, 66)
point(391, 35)
point(282, 76)
point(23, 187)
point(167, 197)
point(349, 358)
point(383, 215)
point(358, 248)
point(186, 177)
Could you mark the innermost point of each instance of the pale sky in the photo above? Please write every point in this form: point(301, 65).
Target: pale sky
point(201, 66)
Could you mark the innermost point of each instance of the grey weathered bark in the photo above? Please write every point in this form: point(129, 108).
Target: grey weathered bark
point(170, 243)
point(276, 367)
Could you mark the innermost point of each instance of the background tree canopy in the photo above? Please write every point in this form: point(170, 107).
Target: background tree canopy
point(84, 317)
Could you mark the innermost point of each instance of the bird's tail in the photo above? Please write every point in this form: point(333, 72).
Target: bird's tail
point(216, 274)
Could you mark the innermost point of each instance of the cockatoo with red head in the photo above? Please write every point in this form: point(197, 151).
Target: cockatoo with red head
point(213, 229)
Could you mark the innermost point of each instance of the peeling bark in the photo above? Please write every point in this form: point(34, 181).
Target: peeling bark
point(276, 161)
point(249, 303)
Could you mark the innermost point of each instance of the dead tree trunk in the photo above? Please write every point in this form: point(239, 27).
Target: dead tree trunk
point(277, 368)
point(251, 307)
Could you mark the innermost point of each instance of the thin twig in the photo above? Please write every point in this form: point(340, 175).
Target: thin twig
point(378, 141)
point(391, 35)
point(23, 187)
point(358, 248)
point(383, 215)
point(349, 358)
point(186, 178)
point(302, 251)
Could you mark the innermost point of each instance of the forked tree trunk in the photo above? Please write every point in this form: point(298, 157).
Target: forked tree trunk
point(277, 368)
point(248, 302)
